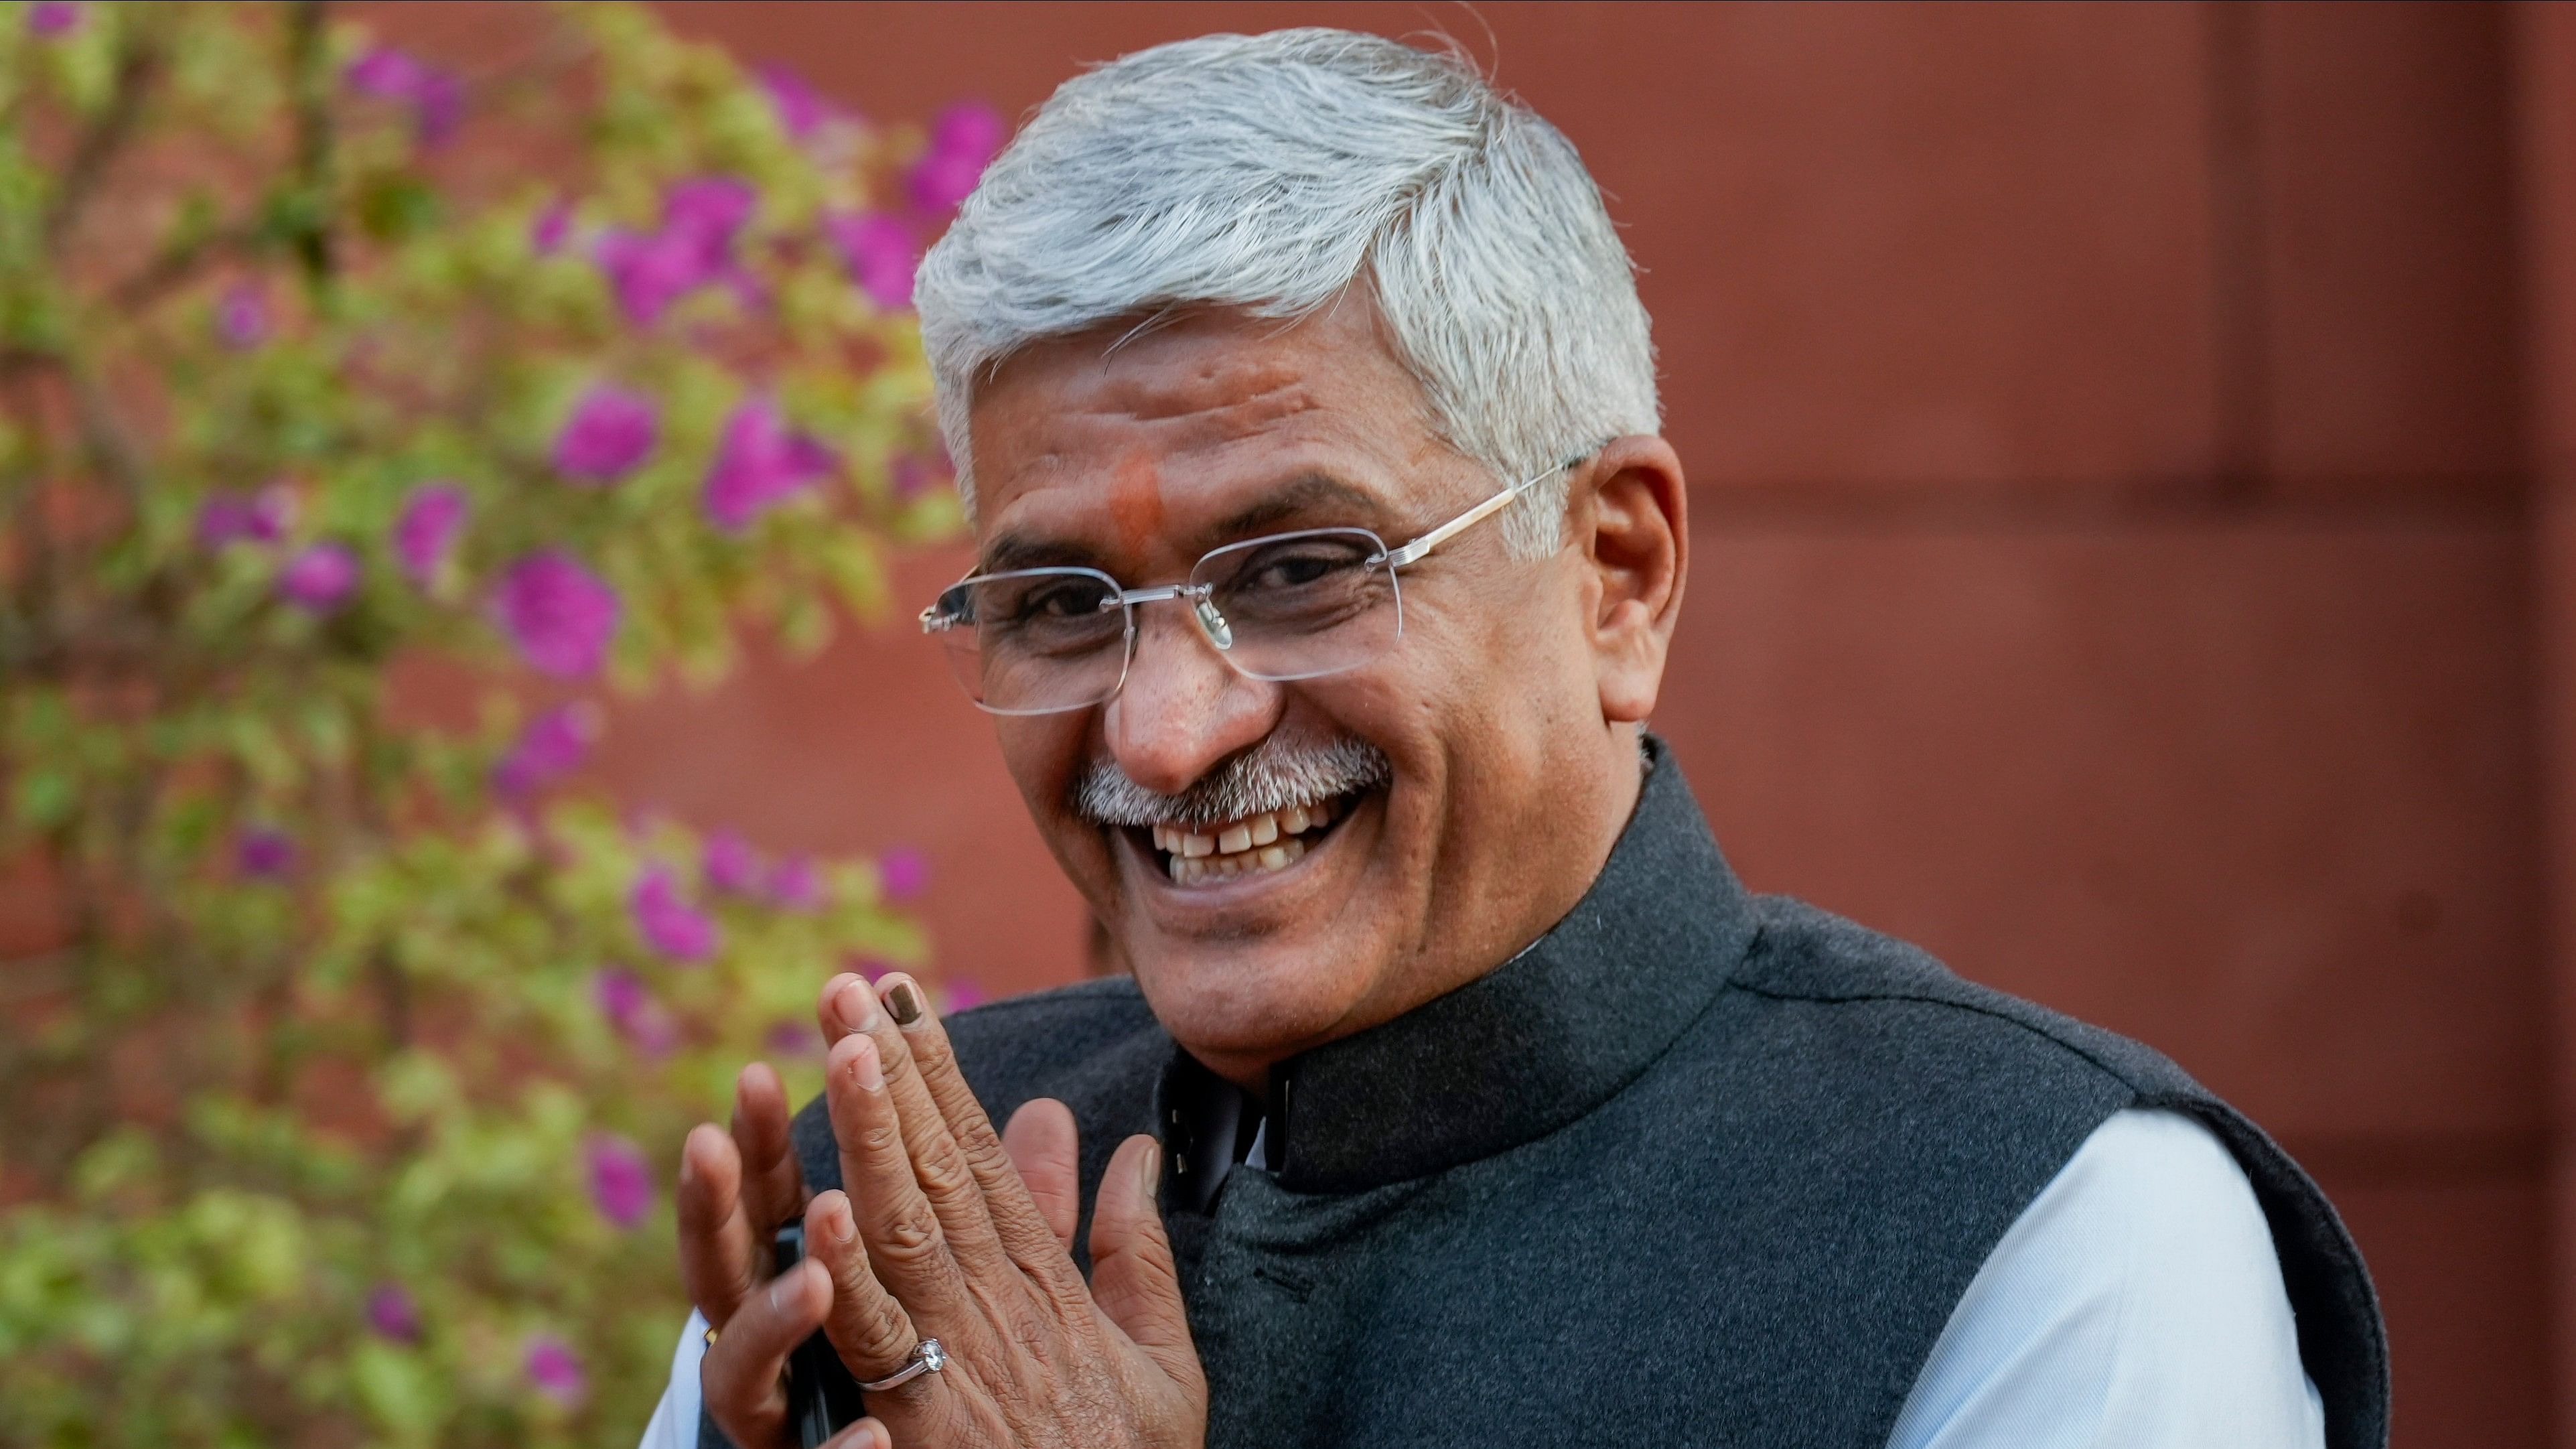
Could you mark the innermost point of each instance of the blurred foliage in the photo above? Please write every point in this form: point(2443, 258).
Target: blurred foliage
point(341, 1106)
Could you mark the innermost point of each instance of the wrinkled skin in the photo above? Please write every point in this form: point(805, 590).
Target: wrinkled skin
point(1509, 710)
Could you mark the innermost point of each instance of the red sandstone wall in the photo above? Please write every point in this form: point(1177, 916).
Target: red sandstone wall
point(2107, 429)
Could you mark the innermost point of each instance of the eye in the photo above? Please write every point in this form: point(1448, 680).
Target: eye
point(1293, 570)
point(1072, 599)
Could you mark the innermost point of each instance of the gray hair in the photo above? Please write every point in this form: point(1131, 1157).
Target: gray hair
point(1270, 172)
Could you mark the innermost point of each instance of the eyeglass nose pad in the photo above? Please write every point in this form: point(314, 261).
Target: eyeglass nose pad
point(1219, 632)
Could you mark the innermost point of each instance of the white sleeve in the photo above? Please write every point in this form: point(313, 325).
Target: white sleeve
point(674, 1424)
point(2136, 1304)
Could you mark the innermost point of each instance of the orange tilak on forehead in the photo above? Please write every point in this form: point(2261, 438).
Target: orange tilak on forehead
point(1136, 503)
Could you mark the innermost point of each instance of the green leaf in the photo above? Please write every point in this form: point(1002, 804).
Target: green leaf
point(47, 798)
point(394, 206)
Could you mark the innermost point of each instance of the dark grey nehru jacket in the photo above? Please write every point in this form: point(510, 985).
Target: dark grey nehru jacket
point(1699, 1167)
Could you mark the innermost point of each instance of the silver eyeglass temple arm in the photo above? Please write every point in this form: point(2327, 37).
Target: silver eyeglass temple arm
point(936, 621)
point(1397, 558)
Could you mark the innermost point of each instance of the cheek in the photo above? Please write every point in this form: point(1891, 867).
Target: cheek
point(1045, 755)
point(1508, 654)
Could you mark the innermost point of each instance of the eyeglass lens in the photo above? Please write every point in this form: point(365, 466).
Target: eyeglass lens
point(1289, 606)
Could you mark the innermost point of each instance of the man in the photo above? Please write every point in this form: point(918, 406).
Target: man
point(1329, 559)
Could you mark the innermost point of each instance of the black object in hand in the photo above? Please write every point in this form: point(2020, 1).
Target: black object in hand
point(822, 1398)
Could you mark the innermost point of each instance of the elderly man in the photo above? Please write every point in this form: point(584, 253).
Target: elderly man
point(1329, 561)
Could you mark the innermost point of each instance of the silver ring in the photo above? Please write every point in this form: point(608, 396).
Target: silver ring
point(927, 1358)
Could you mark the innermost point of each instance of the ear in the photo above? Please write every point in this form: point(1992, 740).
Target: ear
point(1632, 522)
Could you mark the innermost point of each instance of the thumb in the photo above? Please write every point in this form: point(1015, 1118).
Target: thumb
point(1042, 1142)
point(1133, 1278)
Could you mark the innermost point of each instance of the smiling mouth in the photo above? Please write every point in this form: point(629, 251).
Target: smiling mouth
point(1207, 855)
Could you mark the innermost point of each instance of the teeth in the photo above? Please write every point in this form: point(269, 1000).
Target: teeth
point(1265, 842)
point(1192, 870)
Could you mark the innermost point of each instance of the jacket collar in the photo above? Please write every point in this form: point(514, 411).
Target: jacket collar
point(1526, 1048)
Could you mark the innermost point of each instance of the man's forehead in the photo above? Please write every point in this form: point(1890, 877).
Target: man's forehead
point(1192, 430)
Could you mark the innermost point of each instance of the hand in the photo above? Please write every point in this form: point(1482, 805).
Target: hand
point(735, 1190)
point(945, 1232)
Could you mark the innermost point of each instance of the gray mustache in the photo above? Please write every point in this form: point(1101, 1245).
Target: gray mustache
point(1271, 775)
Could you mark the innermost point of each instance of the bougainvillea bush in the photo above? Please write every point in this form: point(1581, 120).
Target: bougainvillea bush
point(363, 418)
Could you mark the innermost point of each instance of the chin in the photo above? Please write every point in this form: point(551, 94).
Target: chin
point(1260, 939)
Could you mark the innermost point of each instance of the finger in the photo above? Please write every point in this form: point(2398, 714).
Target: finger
point(720, 1257)
point(901, 1233)
point(865, 1434)
point(1023, 1229)
point(1043, 1141)
point(956, 1187)
point(837, 1011)
point(1132, 1275)
point(773, 1186)
point(868, 1328)
point(741, 1379)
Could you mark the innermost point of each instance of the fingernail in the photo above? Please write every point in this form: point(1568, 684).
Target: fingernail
point(1151, 1170)
point(858, 1006)
point(865, 1069)
point(903, 1003)
point(843, 1226)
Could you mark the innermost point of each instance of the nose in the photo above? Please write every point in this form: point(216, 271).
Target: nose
point(1183, 708)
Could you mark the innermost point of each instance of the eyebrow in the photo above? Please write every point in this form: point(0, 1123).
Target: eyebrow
point(1292, 501)
point(1010, 551)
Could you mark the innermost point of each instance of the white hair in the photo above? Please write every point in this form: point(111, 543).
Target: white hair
point(1268, 173)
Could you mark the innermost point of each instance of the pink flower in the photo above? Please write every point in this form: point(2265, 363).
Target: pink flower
point(555, 1370)
point(547, 233)
point(621, 1186)
point(796, 885)
point(669, 924)
point(264, 853)
point(436, 98)
point(962, 141)
point(560, 614)
point(789, 1038)
point(620, 994)
point(956, 996)
point(385, 73)
point(427, 529)
point(709, 210)
point(650, 271)
point(731, 864)
point(51, 19)
point(759, 462)
point(321, 577)
point(610, 433)
point(439, 108)
point(870, 967)
point(880, 254)
point(551, 747)
point(230, 518)
point(904, 873)
point(241, 316)
point(802, 110)
point(629, 1006)
point(391, 1313)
